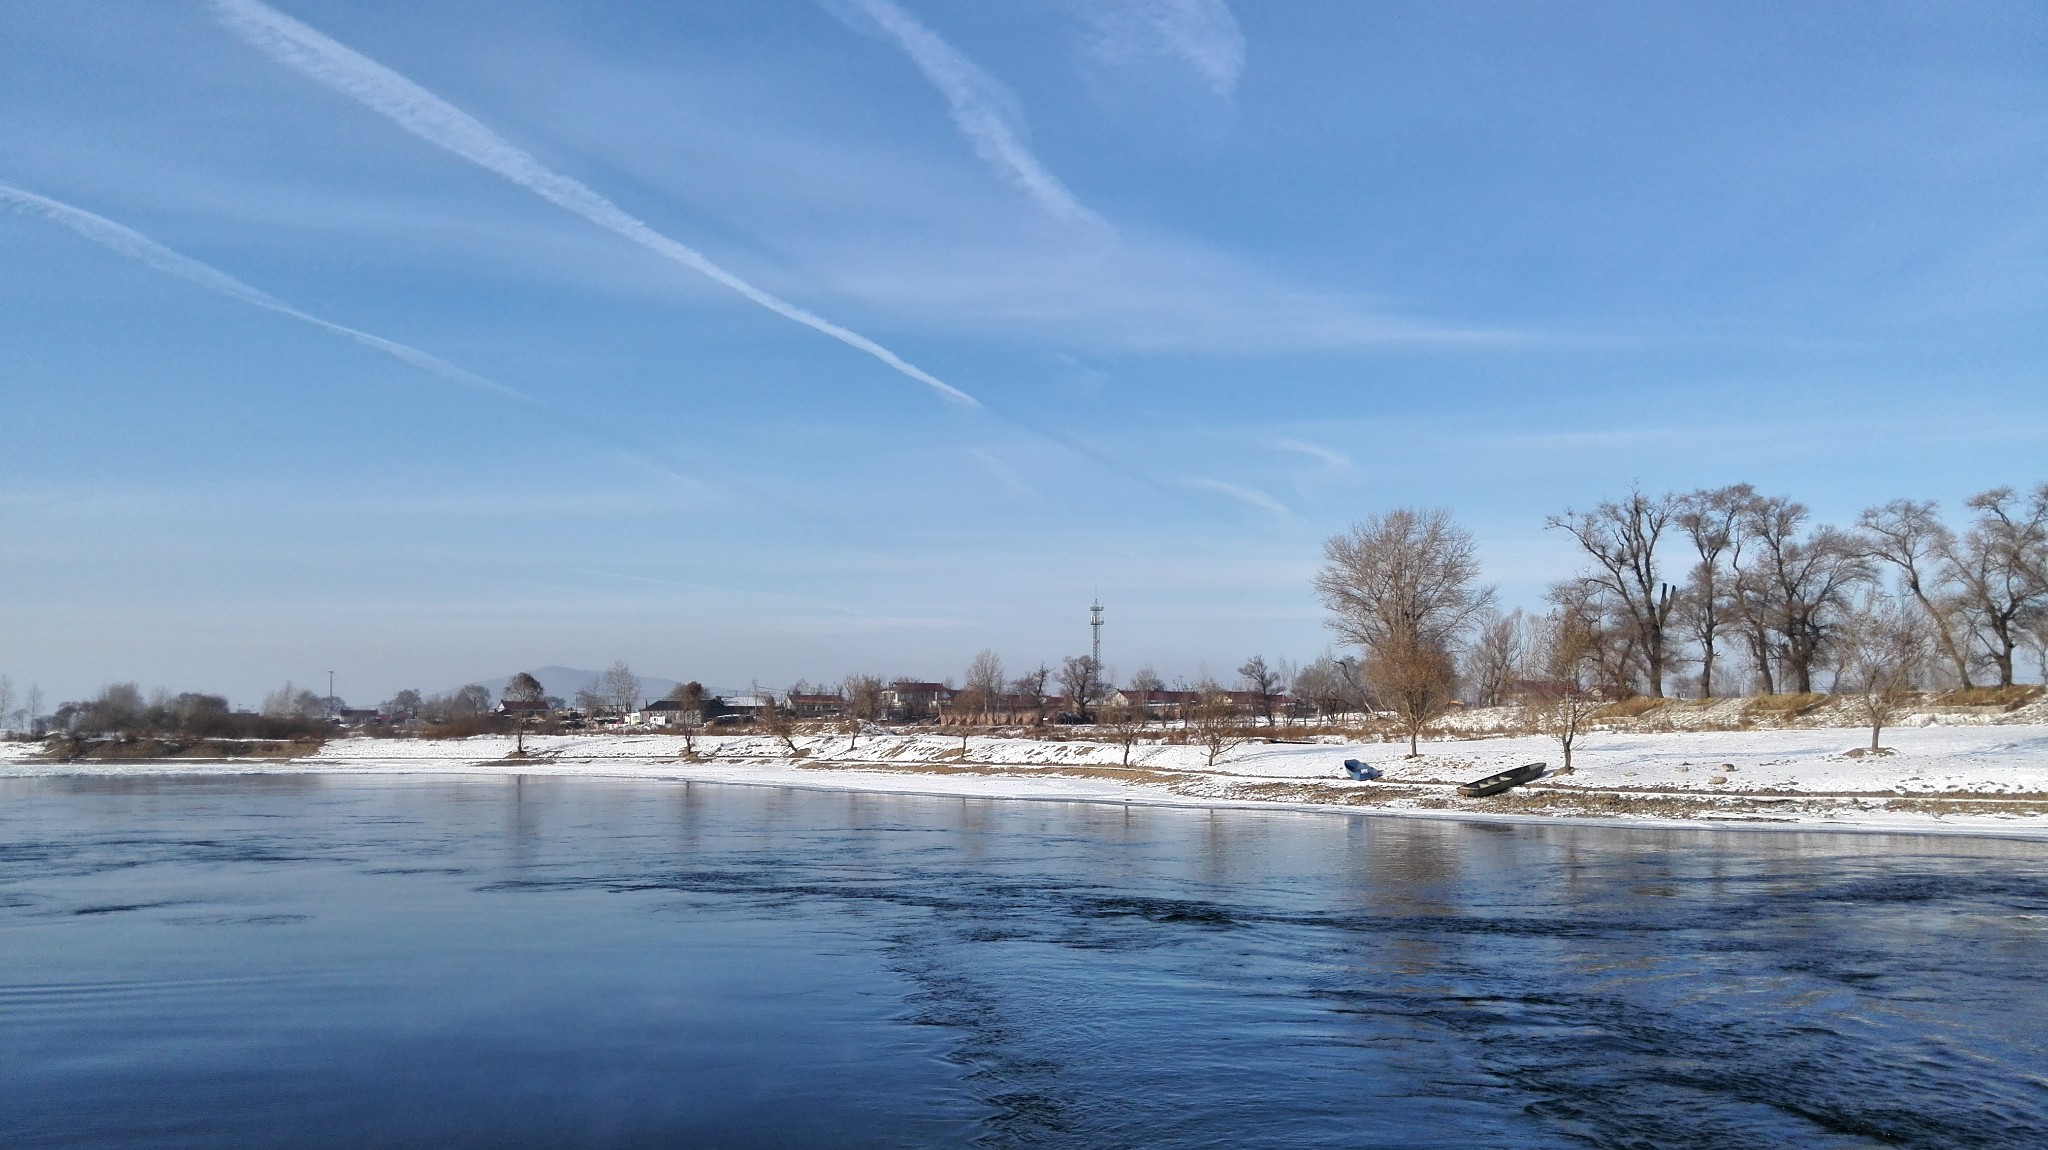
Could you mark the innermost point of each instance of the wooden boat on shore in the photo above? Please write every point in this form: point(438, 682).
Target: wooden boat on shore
point(1495, 784)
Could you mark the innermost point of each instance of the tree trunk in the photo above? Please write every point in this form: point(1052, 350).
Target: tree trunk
point(1412, 733)
point(1874, 729)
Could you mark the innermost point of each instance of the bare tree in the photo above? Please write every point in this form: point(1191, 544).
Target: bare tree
point(690, 697)
point(1079, 679)
point(590, 700)
point(620, 688)
point(6, 698)
point(1213, 721)
point(1405, 577)
point(1144, 685)
point(1329, 686)
point(1031, 685)
point(1611, 655)
point(523, 688)
point(1712, 520)
point(778, 721)
point(1621, 539)
point(984, 680)
point(1263, 682)
point(1562, 697)
point(1414, 680)
point(2003, 568)
point(1884, 652)
point(1804, 584)
point(32, 706)
point(1123, 720)
point(1402, 587)
point(2037, 638)
point(293, 702)
point(1497, 652)
point(1909, 535)
point(863, 694)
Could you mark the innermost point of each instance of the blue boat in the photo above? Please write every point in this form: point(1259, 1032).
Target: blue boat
point(1361, 771)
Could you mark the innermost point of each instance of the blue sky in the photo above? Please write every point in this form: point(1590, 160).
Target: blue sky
point(1219, 280)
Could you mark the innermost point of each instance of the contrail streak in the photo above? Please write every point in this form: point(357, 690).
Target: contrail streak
point(435, 120)
point(983, 109)
point(136, 246)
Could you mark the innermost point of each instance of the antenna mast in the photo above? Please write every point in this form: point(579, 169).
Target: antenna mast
point(1095, 625)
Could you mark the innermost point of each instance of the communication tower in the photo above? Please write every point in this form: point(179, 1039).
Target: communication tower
point(1095, 626)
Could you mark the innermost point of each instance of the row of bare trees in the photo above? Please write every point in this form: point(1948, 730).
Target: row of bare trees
point(1897, 602)
point(1686, 578)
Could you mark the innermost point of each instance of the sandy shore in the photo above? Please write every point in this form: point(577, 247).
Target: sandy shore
point(1950, 780)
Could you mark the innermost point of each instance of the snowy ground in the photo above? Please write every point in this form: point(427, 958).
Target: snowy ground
point(1954, 779)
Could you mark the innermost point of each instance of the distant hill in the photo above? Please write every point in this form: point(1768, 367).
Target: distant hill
point(564, 682)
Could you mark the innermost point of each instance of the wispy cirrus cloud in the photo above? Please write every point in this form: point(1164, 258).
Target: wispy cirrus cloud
point(984, 110)
point(313, 54)
point(1329, 457)
point(1200, 34)
point(1249, 496)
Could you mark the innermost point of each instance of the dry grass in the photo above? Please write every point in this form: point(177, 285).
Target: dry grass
point(2011, 698)
point(1629, 708)
point(1796, 704)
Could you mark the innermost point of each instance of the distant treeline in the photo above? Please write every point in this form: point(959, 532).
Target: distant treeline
point(1691, 593)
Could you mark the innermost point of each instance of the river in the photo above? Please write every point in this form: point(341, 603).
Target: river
point(327, 961)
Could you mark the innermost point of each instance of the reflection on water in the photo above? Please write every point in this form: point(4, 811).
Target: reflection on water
point(321, 961)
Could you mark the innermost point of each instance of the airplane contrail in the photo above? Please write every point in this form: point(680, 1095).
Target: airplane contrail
point(983, 110)
point(136, 246)
point(313, 54)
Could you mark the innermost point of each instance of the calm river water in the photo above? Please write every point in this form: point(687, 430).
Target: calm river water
point(348, 962)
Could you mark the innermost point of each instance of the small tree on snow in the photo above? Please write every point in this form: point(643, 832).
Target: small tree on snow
point(1566, 654)
point(1884, 654)
point(1123, 721)
point(1213, 720)
point(1414, 679)
point(779, 722)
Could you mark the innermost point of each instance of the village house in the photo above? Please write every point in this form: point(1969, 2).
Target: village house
point(815, 706)
point(906, 700)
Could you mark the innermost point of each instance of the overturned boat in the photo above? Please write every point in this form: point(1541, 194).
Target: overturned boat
point(1495, 784)
point(1360, 771)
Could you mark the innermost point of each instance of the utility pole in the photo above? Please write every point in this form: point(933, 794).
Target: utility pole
point(330, 695)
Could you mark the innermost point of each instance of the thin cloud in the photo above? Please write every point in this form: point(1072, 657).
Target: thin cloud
point(1328, 456)
point(1001, 473)
point(1203, 34)
point(312, 54)
point(984, 111)
point(136, 246)
point(1249, 496)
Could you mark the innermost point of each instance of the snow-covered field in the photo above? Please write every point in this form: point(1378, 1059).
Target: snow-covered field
point(1955, 779)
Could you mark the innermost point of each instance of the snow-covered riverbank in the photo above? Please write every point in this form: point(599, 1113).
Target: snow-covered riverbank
point(1960, 779)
